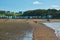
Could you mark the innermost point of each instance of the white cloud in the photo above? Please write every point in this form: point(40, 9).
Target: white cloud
point(55, 7)
point(37, 3)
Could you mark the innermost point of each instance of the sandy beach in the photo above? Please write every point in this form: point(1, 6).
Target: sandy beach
point(41, 32)
point(12, 29)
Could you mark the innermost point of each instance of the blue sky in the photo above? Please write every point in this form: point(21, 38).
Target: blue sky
point(23, 5)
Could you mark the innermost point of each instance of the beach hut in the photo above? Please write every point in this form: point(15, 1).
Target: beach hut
point(13, 17)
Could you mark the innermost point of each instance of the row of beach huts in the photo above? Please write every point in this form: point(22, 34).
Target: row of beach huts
point(22, 17)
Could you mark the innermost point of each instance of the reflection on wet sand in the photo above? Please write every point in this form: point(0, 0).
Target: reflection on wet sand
point(16, 31)
point(12, 36)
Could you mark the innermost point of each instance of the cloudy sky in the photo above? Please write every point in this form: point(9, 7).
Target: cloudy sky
point(23, 5)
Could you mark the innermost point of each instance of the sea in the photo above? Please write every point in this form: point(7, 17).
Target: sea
point(55, 26)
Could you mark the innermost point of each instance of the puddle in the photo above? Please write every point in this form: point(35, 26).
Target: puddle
point(28, 35)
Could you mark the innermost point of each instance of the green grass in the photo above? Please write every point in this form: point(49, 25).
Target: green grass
point(2, 14)
point(17, 14)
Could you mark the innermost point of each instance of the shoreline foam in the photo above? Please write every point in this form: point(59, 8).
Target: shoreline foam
point(57, 31)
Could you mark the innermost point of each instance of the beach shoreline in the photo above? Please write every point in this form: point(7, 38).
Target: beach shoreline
point(41, 32)
point(56, 31)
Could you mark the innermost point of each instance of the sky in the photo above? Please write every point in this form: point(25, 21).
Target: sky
point(24, 5)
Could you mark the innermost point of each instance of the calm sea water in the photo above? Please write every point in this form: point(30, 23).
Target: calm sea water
point(55, 26)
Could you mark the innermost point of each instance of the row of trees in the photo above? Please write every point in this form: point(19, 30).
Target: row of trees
point(38, 12)
point(43, 12)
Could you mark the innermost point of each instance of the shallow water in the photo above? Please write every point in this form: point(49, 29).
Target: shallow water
point(55, 26)
point(28, 36)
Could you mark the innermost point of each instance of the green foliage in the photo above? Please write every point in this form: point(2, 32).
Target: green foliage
point(17, 14)
point(42, 12)
point(2, 14)
point(38, 12)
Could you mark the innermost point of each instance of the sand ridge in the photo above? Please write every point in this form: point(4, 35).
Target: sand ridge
point(42, 32)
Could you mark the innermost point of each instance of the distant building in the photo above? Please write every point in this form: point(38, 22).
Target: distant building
point(49, 16)
point(43, 17)
point(7, 12)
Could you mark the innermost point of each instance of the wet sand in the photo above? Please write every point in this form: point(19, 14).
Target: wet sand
point(14, 29)
point(42, 32)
